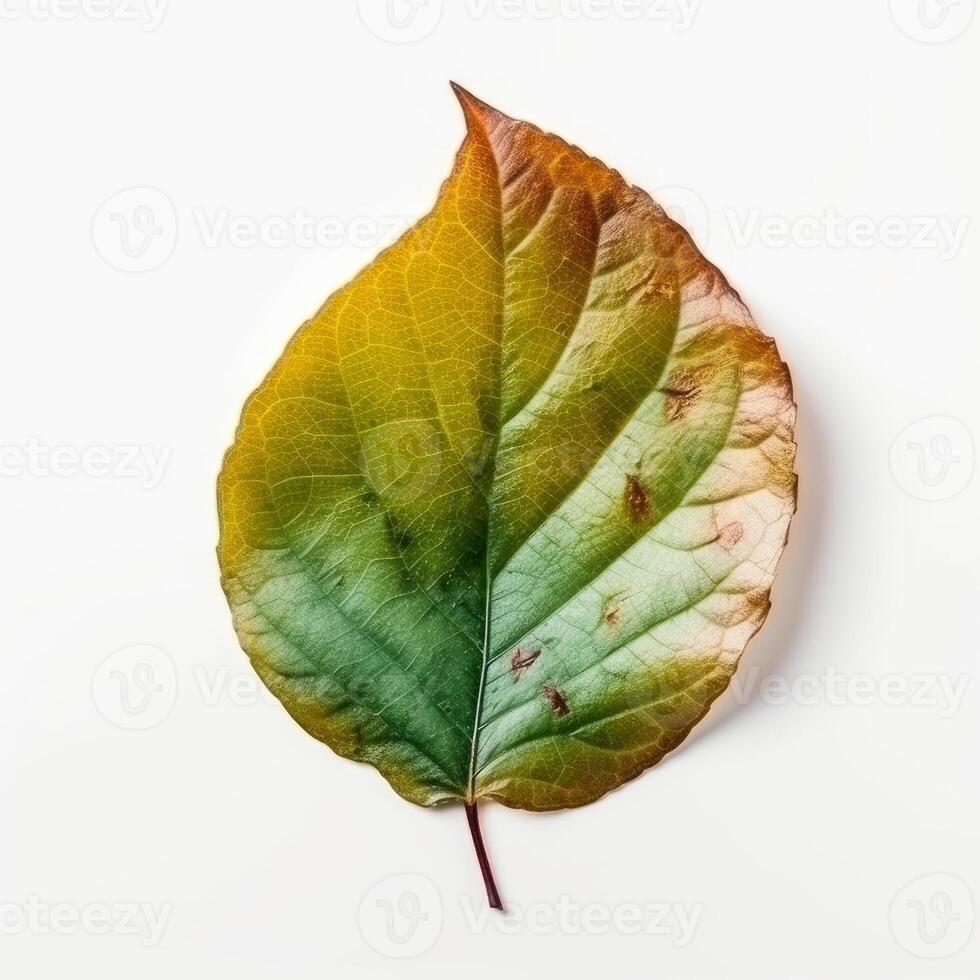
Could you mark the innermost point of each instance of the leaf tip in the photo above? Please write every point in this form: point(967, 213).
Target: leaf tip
point(474, 109)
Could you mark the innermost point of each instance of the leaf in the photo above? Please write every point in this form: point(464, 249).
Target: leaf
point(506, 512)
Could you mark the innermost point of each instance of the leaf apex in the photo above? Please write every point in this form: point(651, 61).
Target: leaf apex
point(475, 110)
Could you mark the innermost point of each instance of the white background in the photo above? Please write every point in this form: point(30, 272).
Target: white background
point(789, 824)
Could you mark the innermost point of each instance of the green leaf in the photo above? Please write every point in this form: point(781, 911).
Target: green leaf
point(506, 512)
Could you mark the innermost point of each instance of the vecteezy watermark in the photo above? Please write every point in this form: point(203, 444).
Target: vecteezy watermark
point(135, 688)
point(404, 460)
point(669, 920)
point(37, 460)
point(299, 229)
point(679, 14)
point(932, 916)
point(401, 916)
point(407, 21)
point(939, 691)
point(400, 21)
point(932, 459)
point(943, 234)
point(687, 208)
point(147, 13)
point(238, 689)
point(932, 21)
point(939, 233)
point(35, 916)
point(136, 229)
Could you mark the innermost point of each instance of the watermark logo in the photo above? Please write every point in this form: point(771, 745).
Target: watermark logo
point(679, 14)
point(37, 460)
point(406, 459)
point(136, 688)
point(401, 916)
point(407, 21)
point(942, 234)
point(932, 459)
point(687, 208)
point(932, 21)
point(674, 921)
point(932, 916)
point(222, 686)
point(299, 229)
point(943, 693)
point(136, 229)
point(37, 917)
point(147, 13)
point(400, 21)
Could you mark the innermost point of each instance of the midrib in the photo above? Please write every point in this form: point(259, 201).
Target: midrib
point(487, 579)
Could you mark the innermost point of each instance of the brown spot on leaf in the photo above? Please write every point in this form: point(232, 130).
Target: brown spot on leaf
point(612, 614)
point(637, 500)
point(556, 699)
point(730, 535)
point(682, 392)
point(522, 659)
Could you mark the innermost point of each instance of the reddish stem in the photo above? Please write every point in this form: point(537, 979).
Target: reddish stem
point(473, 819)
